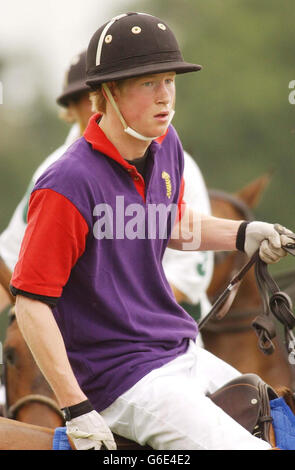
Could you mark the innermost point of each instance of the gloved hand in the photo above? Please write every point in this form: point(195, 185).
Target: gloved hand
point(90, 431)
point(264, 236)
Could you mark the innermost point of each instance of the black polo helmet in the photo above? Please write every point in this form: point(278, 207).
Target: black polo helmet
point(131, 45)
point(74, 82)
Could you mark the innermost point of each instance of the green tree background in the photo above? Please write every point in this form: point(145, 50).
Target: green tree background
point(234, 116)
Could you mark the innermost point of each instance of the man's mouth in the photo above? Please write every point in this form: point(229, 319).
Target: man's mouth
point(162, 115)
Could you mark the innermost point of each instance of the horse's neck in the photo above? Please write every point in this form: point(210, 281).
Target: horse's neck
point(248, 295)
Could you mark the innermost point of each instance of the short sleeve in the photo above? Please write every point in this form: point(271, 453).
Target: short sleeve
point(55, 238)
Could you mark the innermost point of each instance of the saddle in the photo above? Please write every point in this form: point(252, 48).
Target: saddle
point(247, 400)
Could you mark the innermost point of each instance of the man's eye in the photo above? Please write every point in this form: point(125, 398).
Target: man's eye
point(148, 84)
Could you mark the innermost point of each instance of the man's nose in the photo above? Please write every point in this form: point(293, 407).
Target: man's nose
point(163, 93)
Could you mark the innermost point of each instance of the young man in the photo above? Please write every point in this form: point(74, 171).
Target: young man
point(188, 274)
point(89, 279)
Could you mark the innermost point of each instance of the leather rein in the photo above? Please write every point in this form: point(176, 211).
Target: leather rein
point(276, 303)
point(234, 315)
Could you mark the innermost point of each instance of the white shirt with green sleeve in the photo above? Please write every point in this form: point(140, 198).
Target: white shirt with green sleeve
point(11, 237)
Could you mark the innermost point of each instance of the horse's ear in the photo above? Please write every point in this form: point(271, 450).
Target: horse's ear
point(252, 193)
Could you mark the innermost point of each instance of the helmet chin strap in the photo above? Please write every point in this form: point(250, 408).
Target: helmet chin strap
point(128, 129)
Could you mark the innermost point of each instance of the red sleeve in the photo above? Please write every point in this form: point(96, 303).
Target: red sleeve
point(54, 240)
point(181, 203)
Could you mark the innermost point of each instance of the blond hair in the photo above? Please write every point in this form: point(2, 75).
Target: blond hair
point(97, 97)
point(98, 101)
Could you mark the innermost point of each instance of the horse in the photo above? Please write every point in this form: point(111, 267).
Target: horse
point(232, 338)
point(30, 399)
point(254, 414)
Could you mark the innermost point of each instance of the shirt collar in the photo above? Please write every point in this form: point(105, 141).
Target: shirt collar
point(95, 136)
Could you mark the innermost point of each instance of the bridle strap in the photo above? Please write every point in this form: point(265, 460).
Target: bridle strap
point(238, 262)
point(275, 302)
point(12, 411)
point(236, 321)
point(237, 203)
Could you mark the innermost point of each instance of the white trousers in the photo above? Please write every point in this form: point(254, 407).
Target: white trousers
point(168, 408)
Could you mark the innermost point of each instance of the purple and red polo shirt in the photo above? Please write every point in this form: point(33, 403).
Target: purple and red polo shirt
point(109, 294)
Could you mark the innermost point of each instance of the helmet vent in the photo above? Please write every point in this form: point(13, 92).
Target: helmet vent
point(108, 38)
point(136, 30)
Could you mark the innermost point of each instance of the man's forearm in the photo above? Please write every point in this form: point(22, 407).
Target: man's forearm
point(204, 232)
point(218, 234)
point(40, 330)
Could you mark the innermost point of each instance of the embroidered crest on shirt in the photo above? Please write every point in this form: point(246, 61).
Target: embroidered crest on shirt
point(167, 179)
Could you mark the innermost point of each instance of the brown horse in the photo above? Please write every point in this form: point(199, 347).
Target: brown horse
point(232, 339)
point(15, 435)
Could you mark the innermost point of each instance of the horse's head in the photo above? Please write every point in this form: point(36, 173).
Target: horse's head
point(28, 396)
